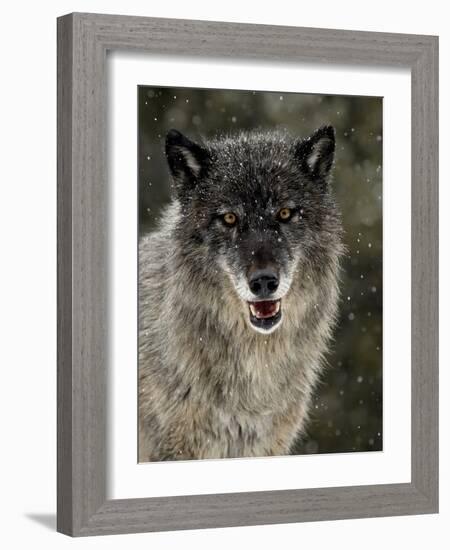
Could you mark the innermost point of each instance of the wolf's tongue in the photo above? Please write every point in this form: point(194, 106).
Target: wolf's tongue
point(263, 310)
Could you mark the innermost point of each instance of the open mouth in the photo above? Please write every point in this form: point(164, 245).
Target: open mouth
point(265, 315)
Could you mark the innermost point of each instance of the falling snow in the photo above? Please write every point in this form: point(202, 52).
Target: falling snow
point(346, 416)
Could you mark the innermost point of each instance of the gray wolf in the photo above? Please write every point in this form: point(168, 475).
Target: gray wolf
point(238, 294)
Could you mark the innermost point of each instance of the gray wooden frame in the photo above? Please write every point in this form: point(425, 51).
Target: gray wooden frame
point(83, 40)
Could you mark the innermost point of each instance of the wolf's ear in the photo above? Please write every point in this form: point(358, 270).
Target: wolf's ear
point(187, 160)
point(316, 153)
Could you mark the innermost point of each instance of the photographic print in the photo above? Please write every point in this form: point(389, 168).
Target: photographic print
point(260, 273)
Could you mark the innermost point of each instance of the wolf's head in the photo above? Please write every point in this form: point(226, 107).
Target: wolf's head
point(259, 207)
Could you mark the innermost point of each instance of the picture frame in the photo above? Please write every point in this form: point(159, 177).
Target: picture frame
point(83, 41)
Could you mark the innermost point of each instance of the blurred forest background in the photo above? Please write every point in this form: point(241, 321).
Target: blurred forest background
point(347, 408)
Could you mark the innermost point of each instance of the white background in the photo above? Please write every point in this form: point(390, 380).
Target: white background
point(27, 286)
point(127, 479)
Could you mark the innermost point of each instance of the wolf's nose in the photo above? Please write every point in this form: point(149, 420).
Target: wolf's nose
point(263, 283)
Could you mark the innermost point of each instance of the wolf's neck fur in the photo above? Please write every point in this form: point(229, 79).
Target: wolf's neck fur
point(216, 344)
point(203, 365)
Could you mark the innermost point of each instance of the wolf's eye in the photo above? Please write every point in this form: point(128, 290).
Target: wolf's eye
point(229, 218)
point(285, 214)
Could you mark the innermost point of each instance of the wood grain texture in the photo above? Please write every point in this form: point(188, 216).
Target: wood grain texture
point(424, 280)
point(64, 275)
point(83, 319)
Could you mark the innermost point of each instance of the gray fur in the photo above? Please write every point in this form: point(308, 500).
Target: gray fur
point(210, 384)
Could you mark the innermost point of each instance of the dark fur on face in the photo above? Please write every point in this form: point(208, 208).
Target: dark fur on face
point(260, 205)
